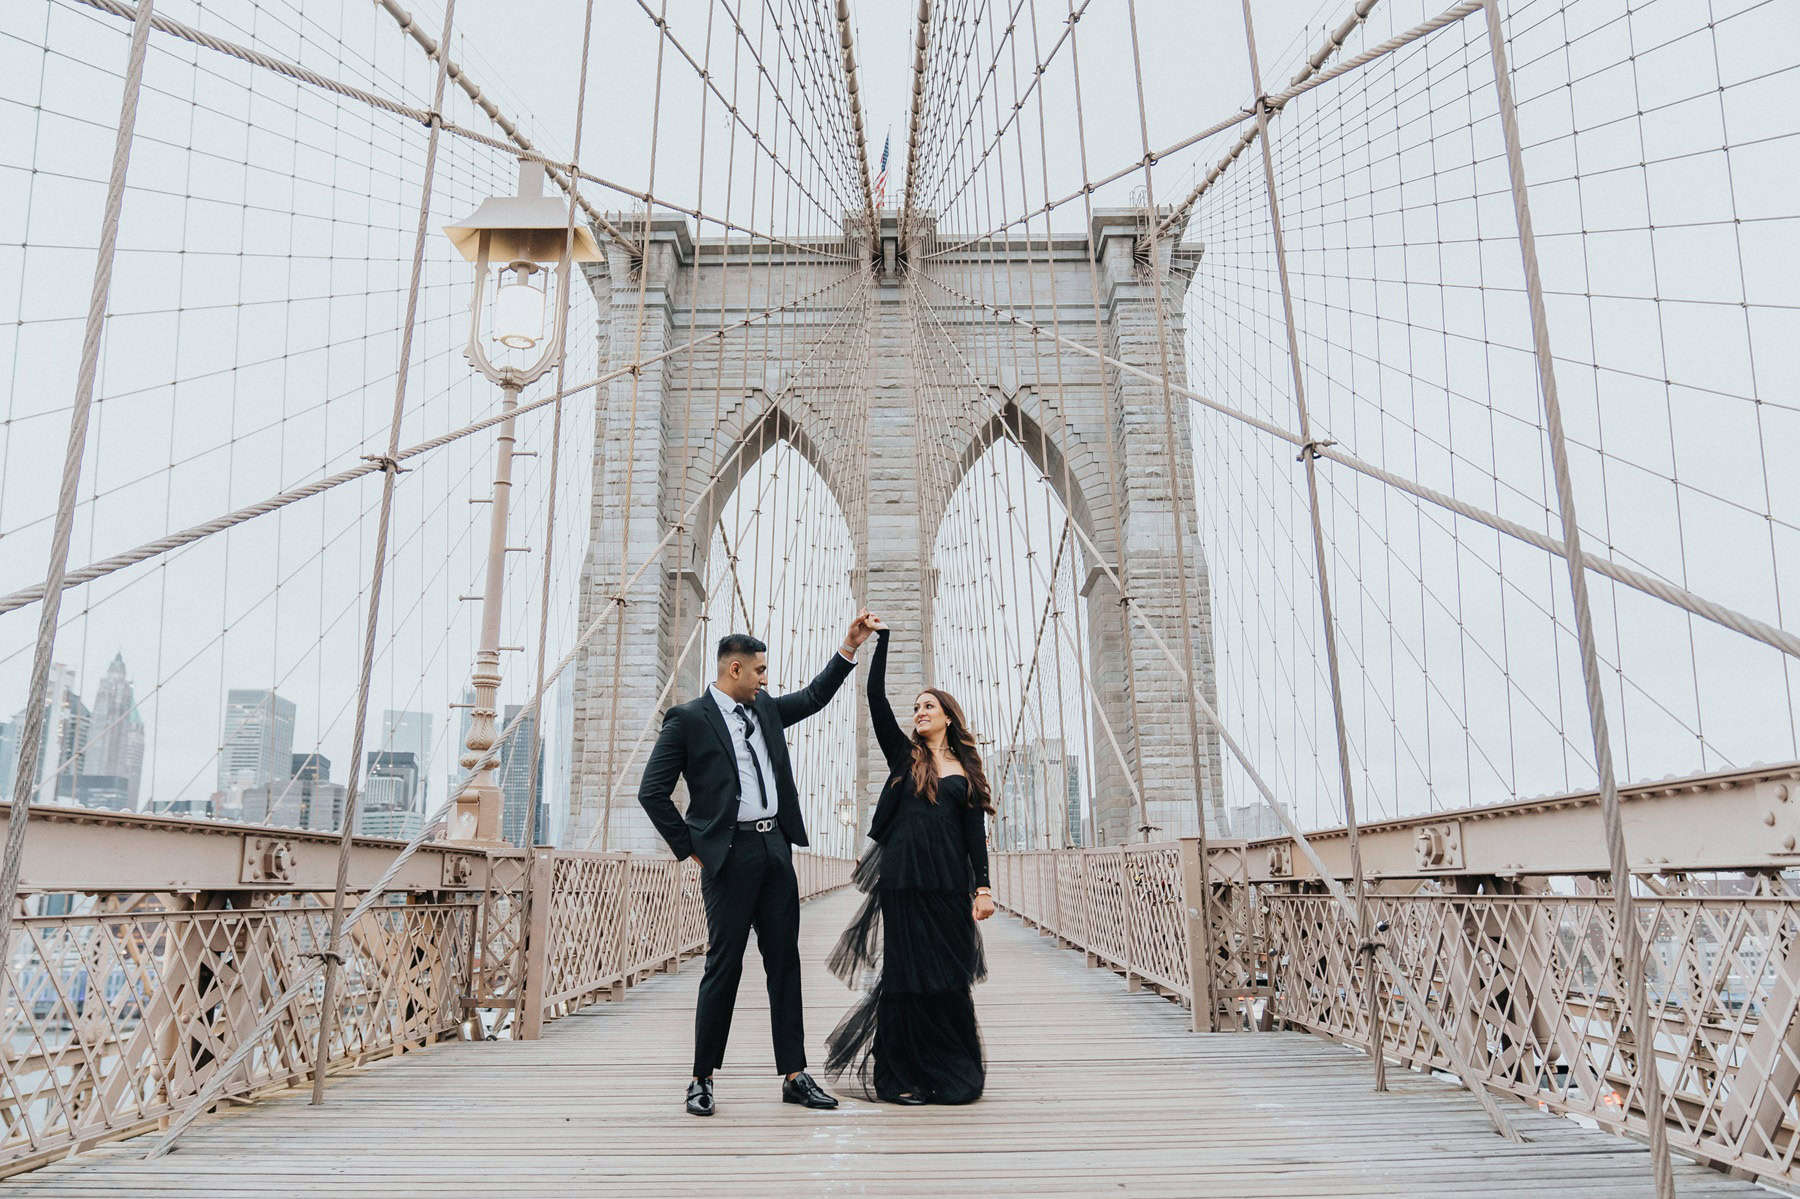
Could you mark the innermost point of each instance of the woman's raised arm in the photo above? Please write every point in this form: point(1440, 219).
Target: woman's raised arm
point(895, 746)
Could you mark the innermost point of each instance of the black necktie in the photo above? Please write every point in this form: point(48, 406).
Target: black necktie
point(762, 788)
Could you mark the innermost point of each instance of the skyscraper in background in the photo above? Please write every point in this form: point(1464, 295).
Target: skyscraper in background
point(1253, 820)
point(256, 743)
point(63, 743)
point(556, 767)
point(308, 799)
point(517, 775)
point(385, 807)
point(410, 733)
point(390, 781)
point(464, 714)
point(1072, 810)
point(314, 766)
point(321, 800)
point(115, 744)
point(9, 756)
point(1047, 784)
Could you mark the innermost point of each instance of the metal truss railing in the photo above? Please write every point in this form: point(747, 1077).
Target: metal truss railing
point(120, 1006)
point(1528, 972)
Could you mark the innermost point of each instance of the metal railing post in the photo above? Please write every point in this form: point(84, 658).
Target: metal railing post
point(1194, 910)
point(534, 983)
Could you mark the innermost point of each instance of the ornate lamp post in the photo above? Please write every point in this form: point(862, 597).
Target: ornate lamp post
point(527, 237)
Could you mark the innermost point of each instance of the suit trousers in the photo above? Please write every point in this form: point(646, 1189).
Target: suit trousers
point(755, 888)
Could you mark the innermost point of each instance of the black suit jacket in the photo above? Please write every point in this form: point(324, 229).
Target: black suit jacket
point(696, 743)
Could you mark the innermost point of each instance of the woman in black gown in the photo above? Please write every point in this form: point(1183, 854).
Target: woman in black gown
point(913, 1038)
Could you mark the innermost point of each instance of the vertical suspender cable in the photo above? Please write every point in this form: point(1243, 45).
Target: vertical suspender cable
point(1203, 986)
point(535, 766)
point(390, 472)
point(1358, 885)
point(1631, 945)
point(1115, 496)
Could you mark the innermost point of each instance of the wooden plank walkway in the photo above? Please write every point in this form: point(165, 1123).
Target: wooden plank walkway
point(1091, 1091)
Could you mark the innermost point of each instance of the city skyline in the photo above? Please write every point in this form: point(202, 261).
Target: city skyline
point(101, 756)
point(98, 754)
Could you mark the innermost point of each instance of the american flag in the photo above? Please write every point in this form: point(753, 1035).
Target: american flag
point(881, 175)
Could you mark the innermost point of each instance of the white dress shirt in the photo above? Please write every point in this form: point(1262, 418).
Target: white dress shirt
point(750, 796)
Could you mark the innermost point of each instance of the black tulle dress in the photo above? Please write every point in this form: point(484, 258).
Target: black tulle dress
point(914, 944)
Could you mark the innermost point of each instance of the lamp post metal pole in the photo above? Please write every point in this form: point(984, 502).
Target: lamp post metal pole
point(479, 806)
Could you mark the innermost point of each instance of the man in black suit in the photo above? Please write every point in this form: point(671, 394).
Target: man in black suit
point(743, 815)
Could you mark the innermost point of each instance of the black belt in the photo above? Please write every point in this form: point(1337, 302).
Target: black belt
point(765, 825)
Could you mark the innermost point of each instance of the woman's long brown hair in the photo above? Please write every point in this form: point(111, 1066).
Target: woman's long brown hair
point(962, 743)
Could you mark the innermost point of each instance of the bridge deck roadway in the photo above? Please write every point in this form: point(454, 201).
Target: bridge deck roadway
point(1091, 1091)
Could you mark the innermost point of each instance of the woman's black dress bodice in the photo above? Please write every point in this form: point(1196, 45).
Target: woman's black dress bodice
point(926, 846)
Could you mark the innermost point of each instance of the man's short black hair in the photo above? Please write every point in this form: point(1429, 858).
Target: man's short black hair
point(734, 645)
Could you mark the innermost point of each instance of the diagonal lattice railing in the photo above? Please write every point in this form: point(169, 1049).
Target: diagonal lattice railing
point(1523, 968)
point(120, 1007)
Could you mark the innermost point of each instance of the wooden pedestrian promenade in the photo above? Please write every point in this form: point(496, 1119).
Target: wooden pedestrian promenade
point(1092, 1091)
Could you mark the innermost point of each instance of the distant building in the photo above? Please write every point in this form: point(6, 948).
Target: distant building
point(464, 714)
point(389, 784)
point(557, 763)
point(1254, 820)
point(109, 791)
point(520, 778)
point(410, 733)
point(399, 825)
point(61, 746)
point(272, 803)
point(308, 800)
point(1044, 785)
point(314, 766)
point(196, 808)
point(321, 805)
point(115, 743)
point(9, 756)
point(256, 743)
point(1072, 807)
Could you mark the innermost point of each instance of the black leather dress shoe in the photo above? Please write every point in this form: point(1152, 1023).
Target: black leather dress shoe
point(700, 1097)
point(803, 1090)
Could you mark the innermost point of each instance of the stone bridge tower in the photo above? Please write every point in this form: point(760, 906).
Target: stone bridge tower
point(1095, 432)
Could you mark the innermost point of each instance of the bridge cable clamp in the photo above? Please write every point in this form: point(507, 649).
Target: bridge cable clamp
point(386, 462)
point(330, 955)
point(1313, 449)
point(1373, 946)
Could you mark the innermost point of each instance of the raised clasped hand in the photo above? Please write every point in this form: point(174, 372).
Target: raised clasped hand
point(865, 623)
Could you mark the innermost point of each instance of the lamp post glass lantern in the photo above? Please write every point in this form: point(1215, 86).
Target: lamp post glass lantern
point(518, 307)
point(532, 235)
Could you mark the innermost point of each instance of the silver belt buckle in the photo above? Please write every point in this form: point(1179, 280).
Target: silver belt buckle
point(766, 825)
